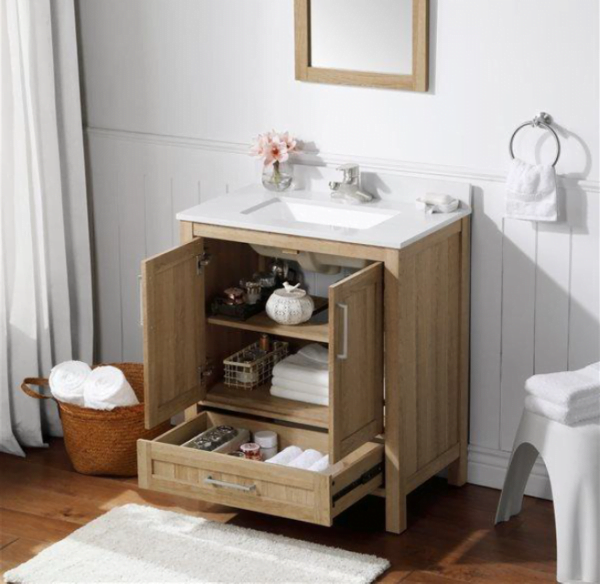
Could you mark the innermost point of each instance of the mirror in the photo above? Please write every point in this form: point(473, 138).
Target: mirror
point(340, 39)
point(375, 43)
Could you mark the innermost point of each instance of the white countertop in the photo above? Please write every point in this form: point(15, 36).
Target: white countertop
point(398, 223)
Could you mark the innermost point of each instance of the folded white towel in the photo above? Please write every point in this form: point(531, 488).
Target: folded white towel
point(531, 191)
point(308, 398)
point(106, 388)
point(315, 352)
point(294, 385)
point(285, 456)
point(67, 380)
point(306, 459)
point(567, 388)
point(567, 416)
point(298, 367)
point(321, 465)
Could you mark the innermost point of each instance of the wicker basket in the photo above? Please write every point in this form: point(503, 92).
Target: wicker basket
point(102, 442)
point(249, 375)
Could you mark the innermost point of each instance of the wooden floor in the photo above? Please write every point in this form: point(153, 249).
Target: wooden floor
point(451, 536)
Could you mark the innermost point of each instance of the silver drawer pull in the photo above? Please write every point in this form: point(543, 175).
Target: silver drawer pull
point(344, 354)
point(247, 489)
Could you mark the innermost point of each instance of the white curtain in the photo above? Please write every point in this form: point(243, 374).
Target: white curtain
point(45, 272)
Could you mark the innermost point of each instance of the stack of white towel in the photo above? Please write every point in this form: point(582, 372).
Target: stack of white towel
point(293, 457)
point(103, 388)
point(303, 376)
point(569, 397)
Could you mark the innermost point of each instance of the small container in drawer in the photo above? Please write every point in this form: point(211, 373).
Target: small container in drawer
point(164, 465)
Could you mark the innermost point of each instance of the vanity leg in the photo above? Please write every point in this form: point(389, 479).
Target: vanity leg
point(395, 498)
point(457, 471)
point(190, 413)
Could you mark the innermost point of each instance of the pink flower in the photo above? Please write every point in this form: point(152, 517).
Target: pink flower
point(273, 147)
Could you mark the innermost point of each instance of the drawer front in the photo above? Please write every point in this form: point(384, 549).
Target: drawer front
point(256, 486)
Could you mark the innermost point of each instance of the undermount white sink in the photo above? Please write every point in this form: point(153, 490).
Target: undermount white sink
point(309, 212)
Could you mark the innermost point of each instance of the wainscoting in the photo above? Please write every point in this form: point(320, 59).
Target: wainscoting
point(535, 288)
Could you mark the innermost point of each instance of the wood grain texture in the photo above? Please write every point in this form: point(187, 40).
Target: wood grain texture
point(260, 402)
point(174, 342)
point(451, 536)
point(355, 360)
point(416, 81)
point(457, 471)
point(313, 330)
point(272, 489)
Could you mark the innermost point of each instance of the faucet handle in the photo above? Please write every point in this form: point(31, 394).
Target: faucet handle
point(351, 171)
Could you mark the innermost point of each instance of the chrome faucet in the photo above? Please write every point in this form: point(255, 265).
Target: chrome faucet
point(347, 190)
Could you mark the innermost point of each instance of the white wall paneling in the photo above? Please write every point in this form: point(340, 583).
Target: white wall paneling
point(175, 90)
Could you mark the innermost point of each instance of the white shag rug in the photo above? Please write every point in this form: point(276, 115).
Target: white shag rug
point(135, 543)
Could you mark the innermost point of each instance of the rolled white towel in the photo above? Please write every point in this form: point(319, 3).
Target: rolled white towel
point(321, 465)
point(106, 388)
point(306, 459)
point(568, 416)
point(567, 388)
point(320, 400)
point(283, 383)
point(67, 380)
point(285, 456)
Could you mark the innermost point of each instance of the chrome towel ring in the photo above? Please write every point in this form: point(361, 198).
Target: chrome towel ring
point(541, 120)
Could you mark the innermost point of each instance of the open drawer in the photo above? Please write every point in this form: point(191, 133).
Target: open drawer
point(166, 466)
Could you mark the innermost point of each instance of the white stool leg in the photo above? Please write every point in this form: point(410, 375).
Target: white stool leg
point(511, 500)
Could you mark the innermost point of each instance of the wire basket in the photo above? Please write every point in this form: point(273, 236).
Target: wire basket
point(244, 374)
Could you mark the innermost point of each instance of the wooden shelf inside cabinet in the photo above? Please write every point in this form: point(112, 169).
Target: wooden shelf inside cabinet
point(260, 402)
point(316, 329)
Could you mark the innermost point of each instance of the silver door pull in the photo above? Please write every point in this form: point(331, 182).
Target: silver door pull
point(247, 489)
point(344, 354)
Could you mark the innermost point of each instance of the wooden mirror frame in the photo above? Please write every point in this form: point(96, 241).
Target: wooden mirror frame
point(417, 81)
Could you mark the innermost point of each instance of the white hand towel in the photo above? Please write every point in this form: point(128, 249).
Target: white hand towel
point(283, 383)
point(308, 398)
point(569, 417)
point(301, 368)
point(321, 465)
point(315, 352)
point(567, 388)
point(285, 456)
point(67, 380)
point(306, 459)
point(106, 388)
point(531, 191)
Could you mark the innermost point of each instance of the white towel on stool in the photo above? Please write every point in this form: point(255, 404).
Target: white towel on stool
point(306, 459)
point(67, 380)
point(308, 398)
point(106, 388)
point(285, 456)
point(567, 388)
point(321, 465)
point(568, 416)
point(531, 191)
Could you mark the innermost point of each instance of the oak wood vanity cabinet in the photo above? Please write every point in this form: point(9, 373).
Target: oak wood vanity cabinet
point(400, 323)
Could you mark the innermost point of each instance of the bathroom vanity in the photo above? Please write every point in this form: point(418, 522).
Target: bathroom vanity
point(397, 329)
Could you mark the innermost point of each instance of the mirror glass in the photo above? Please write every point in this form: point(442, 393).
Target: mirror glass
point(362, 35)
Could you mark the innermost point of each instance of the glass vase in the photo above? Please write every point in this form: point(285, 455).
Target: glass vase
point(278, 177)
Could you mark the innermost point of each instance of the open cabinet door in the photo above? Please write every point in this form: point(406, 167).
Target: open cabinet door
point(356, 361)
point(174, 349)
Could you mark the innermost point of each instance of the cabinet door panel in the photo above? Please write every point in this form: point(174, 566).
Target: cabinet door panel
point(356, 360)
point(174, 340)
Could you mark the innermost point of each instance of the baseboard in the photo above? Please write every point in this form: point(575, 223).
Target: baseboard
point(487, 467)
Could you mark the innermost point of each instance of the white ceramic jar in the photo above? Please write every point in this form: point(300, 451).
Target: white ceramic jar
point(290, 305)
